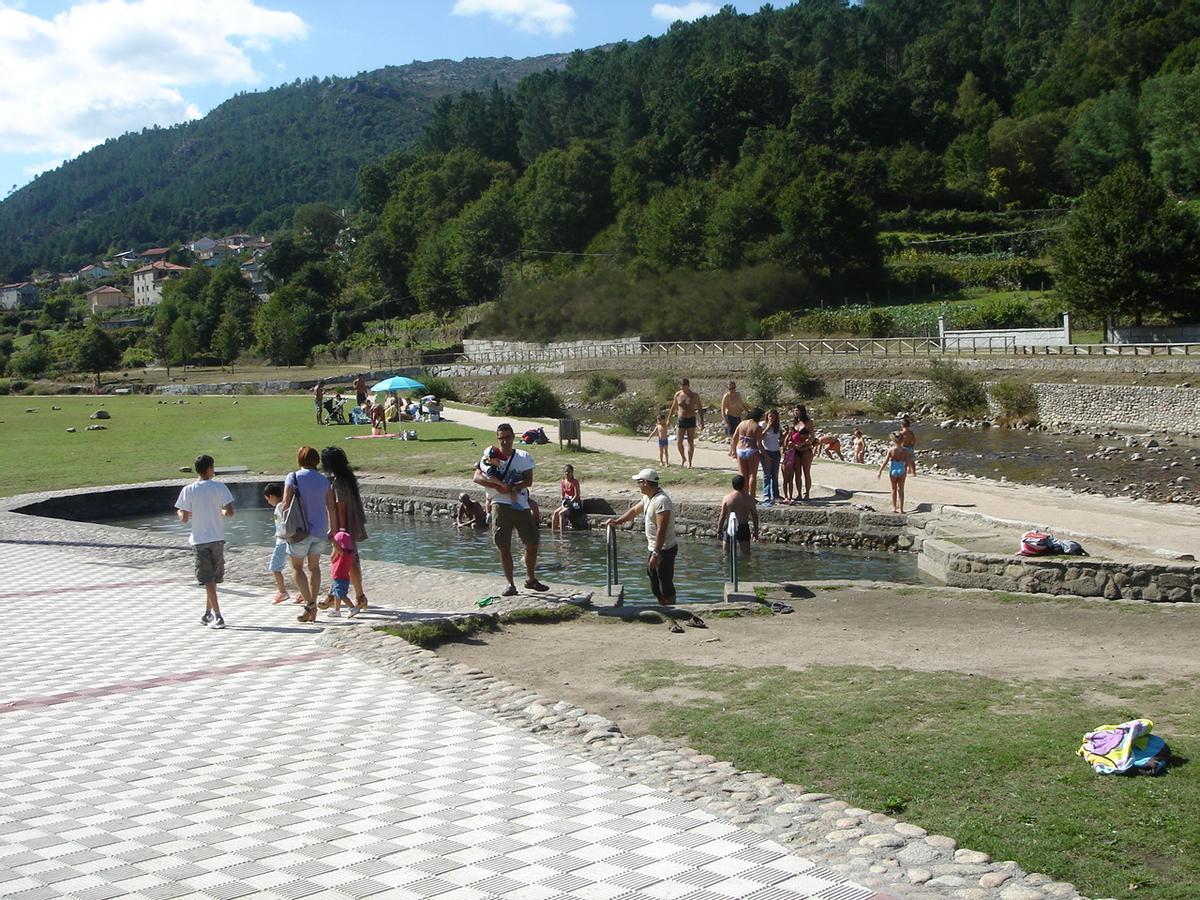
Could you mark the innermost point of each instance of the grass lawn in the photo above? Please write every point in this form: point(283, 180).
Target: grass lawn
point(148, 439)
point(989, 761)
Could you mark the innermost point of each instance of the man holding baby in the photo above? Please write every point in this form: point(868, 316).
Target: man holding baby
point(506, 474)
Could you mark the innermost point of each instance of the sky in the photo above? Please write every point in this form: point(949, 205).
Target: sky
point(73, 74)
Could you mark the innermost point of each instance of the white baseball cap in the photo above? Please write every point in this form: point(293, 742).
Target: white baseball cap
point(647, 475)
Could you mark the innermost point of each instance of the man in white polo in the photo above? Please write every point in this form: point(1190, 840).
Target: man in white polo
point(661, 543)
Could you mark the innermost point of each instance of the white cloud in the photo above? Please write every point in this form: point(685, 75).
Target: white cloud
point(675, 12)
point(552, 17)
point(103, 67)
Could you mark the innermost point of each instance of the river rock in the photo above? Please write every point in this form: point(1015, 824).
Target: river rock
point(71, 430)
point(993, 879)
point(228, 437)
point(100, 414)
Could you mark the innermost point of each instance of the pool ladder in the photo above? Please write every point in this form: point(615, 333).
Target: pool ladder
point(731, 549)
point(614, 577)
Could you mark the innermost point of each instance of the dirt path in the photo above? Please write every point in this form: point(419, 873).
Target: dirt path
point(929, 630)
point(1173, 527)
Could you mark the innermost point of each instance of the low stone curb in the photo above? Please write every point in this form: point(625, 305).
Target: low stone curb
point(873, 849)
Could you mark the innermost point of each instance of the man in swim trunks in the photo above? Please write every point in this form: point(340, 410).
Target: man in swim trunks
point(687, 402)
point(732, 407)
point(318, 392)
point(360, 392)
point(742, 505)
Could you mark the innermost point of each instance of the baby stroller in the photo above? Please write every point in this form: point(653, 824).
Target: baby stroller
point(335, 411)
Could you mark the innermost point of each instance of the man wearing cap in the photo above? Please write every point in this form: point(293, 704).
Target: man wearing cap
point(660, 534)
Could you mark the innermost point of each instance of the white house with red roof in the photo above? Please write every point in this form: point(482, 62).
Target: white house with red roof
point(148, 280)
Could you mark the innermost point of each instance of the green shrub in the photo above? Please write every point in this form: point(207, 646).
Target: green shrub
point(778, 324)
point(962, 392)
point(880, 324)
point(665, 386)
point(1017, 400)
point(5, 387)
point(803, 381)
point(525, 395)
point(603, 386)
point(136, 358)
point(634, 414)
point(892, 401)
point(442, 388)
point(766, 388)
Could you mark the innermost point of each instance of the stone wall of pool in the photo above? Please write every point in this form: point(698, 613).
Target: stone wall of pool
point(813, 527)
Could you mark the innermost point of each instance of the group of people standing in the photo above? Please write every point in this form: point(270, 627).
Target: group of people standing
point(333, 517)
point(784, 454)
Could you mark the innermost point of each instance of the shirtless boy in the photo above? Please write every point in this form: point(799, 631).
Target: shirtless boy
point(742, 505)
point(687, 402)
point(732, 407)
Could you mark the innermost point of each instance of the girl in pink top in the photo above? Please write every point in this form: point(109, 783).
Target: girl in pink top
point(572, 497)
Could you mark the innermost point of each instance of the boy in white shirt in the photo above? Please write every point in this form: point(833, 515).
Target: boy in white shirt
point(202, 504)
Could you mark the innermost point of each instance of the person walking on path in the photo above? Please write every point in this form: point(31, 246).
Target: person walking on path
point(732, 408)
point(770, 444)
point(318, 391)
point(348, 514)
point(507, 486)
point(316, 499)
point(908, 438)
point(661, 542)
point(896, 462)
point(687, 403)
point(745, 445)
point(661, 433)
point(201, 505)
point(740, 504)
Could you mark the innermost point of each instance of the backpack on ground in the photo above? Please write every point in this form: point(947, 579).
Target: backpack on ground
point(1037, 543)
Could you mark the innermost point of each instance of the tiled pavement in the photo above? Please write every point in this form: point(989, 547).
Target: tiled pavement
point(143, 755)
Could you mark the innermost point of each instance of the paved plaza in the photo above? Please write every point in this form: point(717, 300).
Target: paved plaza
point(142, 755)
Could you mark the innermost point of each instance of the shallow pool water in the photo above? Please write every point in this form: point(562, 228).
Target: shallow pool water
point(574, 557)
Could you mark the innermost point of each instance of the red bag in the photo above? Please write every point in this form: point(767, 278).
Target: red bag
point(1036, 543)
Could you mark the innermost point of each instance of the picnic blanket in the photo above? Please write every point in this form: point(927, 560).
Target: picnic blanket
point(1128, 747)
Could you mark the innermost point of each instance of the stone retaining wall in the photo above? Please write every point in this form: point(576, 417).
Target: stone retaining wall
point(1158, 408)
point(489, 350)
point(1069, 575)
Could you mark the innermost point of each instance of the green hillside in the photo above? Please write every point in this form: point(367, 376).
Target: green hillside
point(243, 166)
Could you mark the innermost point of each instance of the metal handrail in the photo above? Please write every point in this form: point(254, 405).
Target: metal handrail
point(731, 549)
point(614, 577)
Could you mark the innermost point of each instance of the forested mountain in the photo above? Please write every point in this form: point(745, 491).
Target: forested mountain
point(243, 166)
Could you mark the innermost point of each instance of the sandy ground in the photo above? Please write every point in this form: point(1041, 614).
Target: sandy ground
point(1170, 527)
point(929, 630)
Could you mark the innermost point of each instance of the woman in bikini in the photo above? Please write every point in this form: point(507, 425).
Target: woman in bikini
point(803, 438)
point(896, 462)
point(744, 446)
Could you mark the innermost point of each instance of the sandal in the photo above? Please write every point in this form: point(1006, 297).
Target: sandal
point(362, 601)
point(309, 614)
point(535, 585)
point(781, 608)
point(676, 628)
point(510, 591)
point(695, 622)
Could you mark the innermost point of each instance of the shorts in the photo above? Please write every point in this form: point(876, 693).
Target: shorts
point(341, 588)
point(313, 544)
point(662, 442)
point(743, 532)
point(278, 556)
point(731, 424)
point(210, 562)
point(686, 423)
point(361, 398)
point(505, 519)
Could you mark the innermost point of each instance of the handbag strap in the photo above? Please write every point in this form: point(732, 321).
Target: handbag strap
point(296, 485)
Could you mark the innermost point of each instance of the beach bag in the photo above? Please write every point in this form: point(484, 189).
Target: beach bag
point(1070, 548)
point(535, 436)
point(1037, 543)
point(295, 525)
point(1125, 749)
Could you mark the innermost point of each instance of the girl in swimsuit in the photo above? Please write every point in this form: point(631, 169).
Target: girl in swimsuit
point(744, 446)
point(801, 439)
point(896, 462)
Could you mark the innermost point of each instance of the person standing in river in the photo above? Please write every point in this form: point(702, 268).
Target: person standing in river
point(661, 542)
point(687, 402)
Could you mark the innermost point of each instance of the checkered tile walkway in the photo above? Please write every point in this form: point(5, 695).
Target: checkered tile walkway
point(142, 755)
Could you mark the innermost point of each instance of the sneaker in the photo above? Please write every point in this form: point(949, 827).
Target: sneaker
point(354, 611)
point(217, 623)
point(335, 614)
point(281, 597)
point(207, 617)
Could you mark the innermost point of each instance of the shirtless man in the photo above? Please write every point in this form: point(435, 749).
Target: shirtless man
point(732, 407)
point(318, 392)
point(470, 513)
point(687, 402)
point(828, 445)
point(742, 505)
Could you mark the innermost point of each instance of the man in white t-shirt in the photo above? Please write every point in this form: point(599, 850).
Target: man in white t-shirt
point(201, 505)
point(506, 474)
point(661, 542)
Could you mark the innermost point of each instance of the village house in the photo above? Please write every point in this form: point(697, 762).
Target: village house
point(20, 295)
point(94, 272)
point(147, 282)
point(107, 297)
point(153, 255)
